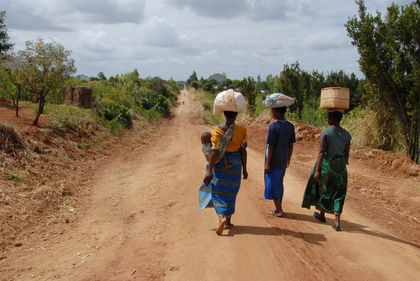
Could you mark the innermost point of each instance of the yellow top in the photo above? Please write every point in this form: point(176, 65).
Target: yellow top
point(240, 137)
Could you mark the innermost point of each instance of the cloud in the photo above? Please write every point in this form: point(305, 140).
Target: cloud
point(322, 41)
point(160, 33)
point(256, 10)
point(63, 15)
point(109, 11)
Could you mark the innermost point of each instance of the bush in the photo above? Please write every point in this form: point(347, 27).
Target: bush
point(114, 113)
point(206, 105)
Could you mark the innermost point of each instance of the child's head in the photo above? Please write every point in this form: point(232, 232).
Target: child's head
point(205, 137)
point(278, 112)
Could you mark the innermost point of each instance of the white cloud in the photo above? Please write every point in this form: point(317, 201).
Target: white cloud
point(257, 10)
point(174, 37)
point(66, 15)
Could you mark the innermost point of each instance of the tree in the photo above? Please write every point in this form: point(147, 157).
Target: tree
point(248, 90)
point(5, 45)
point(101, 76)
point(390, 59)
point(193, 77)
point(13, 68)
point(48, 64)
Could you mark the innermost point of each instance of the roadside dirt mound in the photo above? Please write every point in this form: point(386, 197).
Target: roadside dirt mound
point(10, 140)
point(397, 165)
point(39, 172)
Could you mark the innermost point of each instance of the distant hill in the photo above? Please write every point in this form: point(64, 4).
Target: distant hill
point(83, 77)
point(218, 77)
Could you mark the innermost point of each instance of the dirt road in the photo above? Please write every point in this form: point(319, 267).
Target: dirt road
point(142, 222)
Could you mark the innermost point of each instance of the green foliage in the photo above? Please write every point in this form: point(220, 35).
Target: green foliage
point(390, 59)
point(5, 45)
point(101, 76)
point(206, 105)
point(192, 78)
point(12, 176)
point(248, 89)
point(46, 66)
point(111, 112)
point(314, 115)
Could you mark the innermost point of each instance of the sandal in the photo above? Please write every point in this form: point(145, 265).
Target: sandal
point(222, 224)
point(319, 217)
point(337, 227)
point(276, 214)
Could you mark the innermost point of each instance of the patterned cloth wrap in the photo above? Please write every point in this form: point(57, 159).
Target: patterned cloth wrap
point(222, 190)
point(330, 192)
point(278, 100)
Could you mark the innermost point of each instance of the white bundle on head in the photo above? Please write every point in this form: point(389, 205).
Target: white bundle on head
point(228, 100)
point(278, 100)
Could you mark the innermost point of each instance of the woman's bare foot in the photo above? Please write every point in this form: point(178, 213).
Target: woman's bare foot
point(222, 223)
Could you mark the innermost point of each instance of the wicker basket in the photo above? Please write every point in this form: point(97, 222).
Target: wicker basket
point(335, 98)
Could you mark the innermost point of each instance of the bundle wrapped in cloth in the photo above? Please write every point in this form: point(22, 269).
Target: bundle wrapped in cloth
point(278, 100)
point(228, 100)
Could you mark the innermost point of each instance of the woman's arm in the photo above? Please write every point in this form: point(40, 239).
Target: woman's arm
point(244, 155)
point(290, 153)
point(347, 153)
point(268, 160)
point(322, 150)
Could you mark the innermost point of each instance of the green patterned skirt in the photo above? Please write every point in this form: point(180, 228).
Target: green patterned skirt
point(330, 192)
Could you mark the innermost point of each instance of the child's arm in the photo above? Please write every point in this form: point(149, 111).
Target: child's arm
point(268, 161)
point(209, 173)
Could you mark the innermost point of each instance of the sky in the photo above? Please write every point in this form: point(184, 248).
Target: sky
point(173, 38)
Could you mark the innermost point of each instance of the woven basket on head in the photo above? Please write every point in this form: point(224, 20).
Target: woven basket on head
point(335, 98)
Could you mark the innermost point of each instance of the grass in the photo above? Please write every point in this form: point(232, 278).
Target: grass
point(12, 177)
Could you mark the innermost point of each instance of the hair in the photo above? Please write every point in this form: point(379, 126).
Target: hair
point(281, 110)
point(335, 116)
point(230, 114)
point(206, 135)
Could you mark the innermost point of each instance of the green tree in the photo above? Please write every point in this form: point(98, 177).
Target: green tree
point(101, 76)
point(390, 59)
point(5, 45)
point(12, 69)
point(192, 78)
point(291, 84)
point(248, 90)
point(47, 65)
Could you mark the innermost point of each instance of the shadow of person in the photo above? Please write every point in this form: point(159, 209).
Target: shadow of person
point(349, 227)
point(313, 238)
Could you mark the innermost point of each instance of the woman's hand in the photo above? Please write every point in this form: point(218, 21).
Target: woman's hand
point(245, 173)
point(208, 177)
point(316, 176)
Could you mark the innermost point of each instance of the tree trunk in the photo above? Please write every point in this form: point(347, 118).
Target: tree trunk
point(17, 100)
point(40, 110)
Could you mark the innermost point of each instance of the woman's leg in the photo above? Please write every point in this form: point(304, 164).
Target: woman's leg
point(278, 204)
point(321, 215)
point(337, 225)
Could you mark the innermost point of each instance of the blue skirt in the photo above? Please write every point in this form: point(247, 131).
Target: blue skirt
point(274, 184)
point(222, 190)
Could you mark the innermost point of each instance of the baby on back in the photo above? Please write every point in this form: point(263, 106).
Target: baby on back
point(206, 149)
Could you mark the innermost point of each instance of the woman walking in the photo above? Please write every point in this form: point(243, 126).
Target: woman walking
point(220, 185)
point(327, 185)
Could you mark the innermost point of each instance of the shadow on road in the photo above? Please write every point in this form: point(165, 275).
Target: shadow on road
point(349, 227)
point(313, 238)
